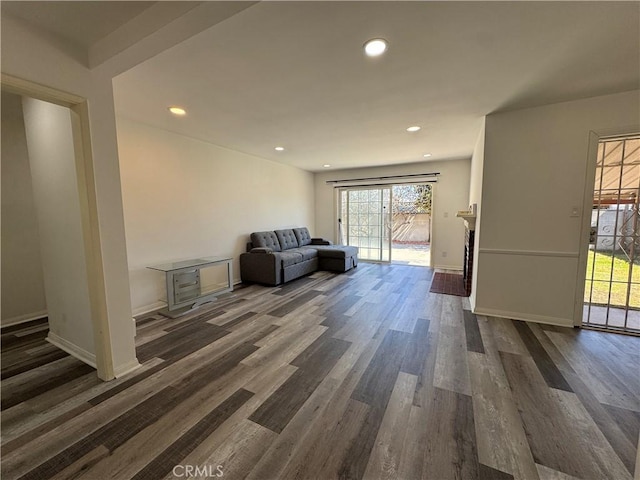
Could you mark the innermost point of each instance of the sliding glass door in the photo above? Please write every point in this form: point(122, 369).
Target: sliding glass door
point(365, 216)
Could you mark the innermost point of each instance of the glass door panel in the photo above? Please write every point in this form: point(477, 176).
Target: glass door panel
point(365, 220)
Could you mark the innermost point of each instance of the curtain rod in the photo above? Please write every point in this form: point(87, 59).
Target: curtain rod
point(390, 177)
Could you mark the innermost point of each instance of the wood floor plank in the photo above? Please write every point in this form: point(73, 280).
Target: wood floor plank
point(359, 375)
point(61, 447)
point(501, 439)
point(329, 455)
point(452, 452)
point(319, 414)
point(31, 363)
point(384, 461)
point(164, 463)
point(620, 431)
point(378, 380)
point(451, 369)
point(296, 302)
point(35, 388)
point(506, 336)
point(24, 325)
point(237, 455)
point(472, 333)
point(314, 363)
point(76, 469)
point(550, 372)
point(19, 431)
point(263, 383)
point(555, 440)
point(141, 449)
point(547, 473)
point(417, 348)
point(488, 473)
point(412, 458)
point(596, 374)
point(591, 437)
point(627, 420)
point(275, 459)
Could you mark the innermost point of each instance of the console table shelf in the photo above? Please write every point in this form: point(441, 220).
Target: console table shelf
point(184, 286)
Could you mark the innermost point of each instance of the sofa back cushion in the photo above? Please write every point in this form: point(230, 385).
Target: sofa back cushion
point(287, 239)
point(303, 236)
point(266, 239)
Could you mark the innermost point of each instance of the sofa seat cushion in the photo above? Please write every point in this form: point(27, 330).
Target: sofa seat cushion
point(265, 240)
point(307, 253)
point(287, 239)
point(336, 251)
point(289, 258)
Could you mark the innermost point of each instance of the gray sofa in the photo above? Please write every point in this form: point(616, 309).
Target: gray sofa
point(279, 256)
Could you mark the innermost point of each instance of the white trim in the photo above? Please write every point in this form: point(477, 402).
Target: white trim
point(529, 253)
point(27, 317)
point(448, 267)
point(28, 88)
point(527, 317)
point(72, 349)
point(148, 308)
point(122, 370)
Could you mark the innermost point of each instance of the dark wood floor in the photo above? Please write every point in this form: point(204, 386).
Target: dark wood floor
point(360, 375)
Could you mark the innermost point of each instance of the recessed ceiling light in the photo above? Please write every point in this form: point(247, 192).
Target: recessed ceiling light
point(413, 128)
point(375, 47)
point(426, 155)
point(326, 165)
point(279, 149)
point(178, 111)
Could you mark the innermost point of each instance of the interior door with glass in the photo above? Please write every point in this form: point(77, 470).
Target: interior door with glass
point(365, 216)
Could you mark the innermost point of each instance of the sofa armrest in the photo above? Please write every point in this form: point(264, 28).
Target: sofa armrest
point(261, 268)
point(261, 250)
point(320, 241)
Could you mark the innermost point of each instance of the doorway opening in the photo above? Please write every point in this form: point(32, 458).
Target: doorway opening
point(390, 223)
point(411, 224)
point(95, 351)
point(612, 289)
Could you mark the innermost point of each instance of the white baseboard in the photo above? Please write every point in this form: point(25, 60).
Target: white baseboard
point(527, 317)
point(148, 308)
point(126, 368)
point(72, 349)
point(448, 267)
point(27, 317)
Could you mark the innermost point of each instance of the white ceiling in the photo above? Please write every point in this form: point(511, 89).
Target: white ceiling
point(83, 23)
point(293, 74)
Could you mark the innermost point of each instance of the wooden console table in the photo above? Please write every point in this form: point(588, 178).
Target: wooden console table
point(184, 288)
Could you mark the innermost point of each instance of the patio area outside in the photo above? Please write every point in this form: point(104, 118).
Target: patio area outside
point(417, 254)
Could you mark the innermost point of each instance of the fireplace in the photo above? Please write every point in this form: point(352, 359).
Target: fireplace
point(467, 268)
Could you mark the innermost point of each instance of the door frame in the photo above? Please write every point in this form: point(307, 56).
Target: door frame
point(88, 209)
point(587, 204)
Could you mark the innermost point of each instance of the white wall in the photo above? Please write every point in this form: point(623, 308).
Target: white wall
point(185, 198)
point(55, 190)
point(450, 194)
point(475, 196)
point(536, 169)
point(22, 283)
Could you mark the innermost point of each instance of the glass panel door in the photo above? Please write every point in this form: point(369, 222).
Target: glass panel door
point(365, 214)
point(612, 293)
